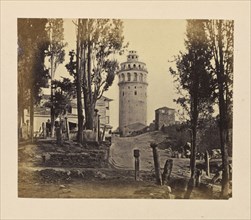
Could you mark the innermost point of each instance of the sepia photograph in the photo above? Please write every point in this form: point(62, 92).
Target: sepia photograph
point(125, 110)
point(113, 108)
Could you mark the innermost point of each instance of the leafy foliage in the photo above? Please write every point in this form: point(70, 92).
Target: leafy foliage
point(55, 51)
point(32, 74)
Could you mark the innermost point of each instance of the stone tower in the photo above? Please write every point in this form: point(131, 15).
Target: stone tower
point(132, 94)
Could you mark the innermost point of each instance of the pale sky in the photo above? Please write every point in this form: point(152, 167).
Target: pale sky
point(156, 42)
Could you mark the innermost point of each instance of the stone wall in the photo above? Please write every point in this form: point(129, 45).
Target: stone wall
point(84, 157)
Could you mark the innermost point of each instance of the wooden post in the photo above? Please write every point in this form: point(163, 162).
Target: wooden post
point(167, 171)
point(103, 134)
point(207, 164)
point(43, 130)
point(136, 155)
point(156, 163)
point(98, 128)
point(67, 128)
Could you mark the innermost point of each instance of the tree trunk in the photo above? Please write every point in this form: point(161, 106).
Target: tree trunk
point(194, 120)
point(79, 82)
point(223, 116)
point(52, 99)
point(31, 114)
point(52, 111)
point(89, 111)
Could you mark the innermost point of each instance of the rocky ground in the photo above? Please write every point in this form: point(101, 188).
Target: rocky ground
point(40, 180)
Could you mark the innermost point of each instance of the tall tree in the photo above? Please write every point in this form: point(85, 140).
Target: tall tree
point(75, 68)
point(32, 74)
point(56, 55)
point(220, 34)
point(193, 77)
point(100, 40)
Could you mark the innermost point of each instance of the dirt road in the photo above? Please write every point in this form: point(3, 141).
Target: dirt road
point(121, 151)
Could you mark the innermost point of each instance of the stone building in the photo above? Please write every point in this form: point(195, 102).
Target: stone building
point(164, 117)
point(132, 94)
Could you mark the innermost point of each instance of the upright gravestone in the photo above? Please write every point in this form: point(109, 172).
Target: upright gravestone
point(136, 155)
point(156, 163)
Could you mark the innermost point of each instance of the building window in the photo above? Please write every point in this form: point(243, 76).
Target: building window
point(135, 93)
point(129, 66)
point(129, 76)
point(134, 65)
point(107, 105)
point(107, 119)
point(132, 57)
point(123, 77)
point(135, 87)
point(123, 93)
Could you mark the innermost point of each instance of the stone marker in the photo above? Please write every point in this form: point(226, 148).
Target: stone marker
point(198, 177)
point(207, 163)
point(136, 154)
point(167, 171)
point(156, 163)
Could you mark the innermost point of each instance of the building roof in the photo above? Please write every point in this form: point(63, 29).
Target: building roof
point(106, 99)
point(164, 108)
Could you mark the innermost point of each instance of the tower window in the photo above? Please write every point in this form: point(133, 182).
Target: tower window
point(129, 76)
point(141, 77)
point(135, 87)
point(135, 93)
point(135, 77)
point(129, 66)
point(123, 93)
point(134, 65)
point(132, 57)
point(123, 77)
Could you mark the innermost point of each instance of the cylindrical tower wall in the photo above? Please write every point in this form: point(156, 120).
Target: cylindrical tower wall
point(132, 92)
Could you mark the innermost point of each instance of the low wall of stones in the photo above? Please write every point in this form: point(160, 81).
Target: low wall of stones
point(89, 156)
point(89, 159)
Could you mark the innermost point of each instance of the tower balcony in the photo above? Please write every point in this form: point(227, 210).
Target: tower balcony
point(133, 82)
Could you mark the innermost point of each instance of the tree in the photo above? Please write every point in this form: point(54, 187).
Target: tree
point(220, 34)
point(194, 78)
point(32, 74)
point(100, 40)
point(56, 54)
point(64, 91)
point(74, 67)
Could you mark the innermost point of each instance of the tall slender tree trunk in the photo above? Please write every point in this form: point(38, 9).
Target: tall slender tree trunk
point(52, 101)
point(89, 110)
point(79, 82)
point(194, 121)
point(223, 139)
point(223, 117)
